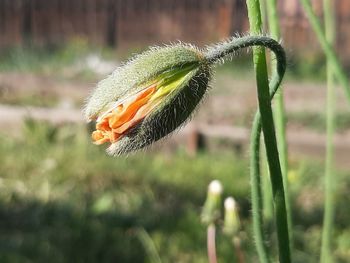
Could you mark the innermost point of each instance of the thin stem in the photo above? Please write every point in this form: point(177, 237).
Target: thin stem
point(214, 55)
point(279, 114)
point(267, 191)
point(211, 246)
point(327, 48)
point(256, 191)
point(328, 218)
point(268, 128)
point(238, 250)
point(148, 245)
point(219, 52)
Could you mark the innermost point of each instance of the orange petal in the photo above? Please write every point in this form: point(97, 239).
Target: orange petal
point(103, 125)
point(113, 136)
point(99, 138)
point(140, 115)
point(131, 109)
point(114, 123)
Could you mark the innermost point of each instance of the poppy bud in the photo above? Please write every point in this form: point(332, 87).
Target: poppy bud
point(231, 221)
point(211, 208)
point(148, 97)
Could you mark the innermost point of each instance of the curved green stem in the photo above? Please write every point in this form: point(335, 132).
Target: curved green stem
point(216, 54)
point(279, 114)
point(326, 255)
point(268, 128)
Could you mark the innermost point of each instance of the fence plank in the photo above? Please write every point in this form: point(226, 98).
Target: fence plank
point(136, 23)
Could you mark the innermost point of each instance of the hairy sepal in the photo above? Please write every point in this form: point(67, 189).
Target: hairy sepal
point(141, 69)
point(173, 112)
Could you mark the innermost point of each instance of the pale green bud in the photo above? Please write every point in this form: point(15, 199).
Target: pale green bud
point(180, 74)
point(231, 221)
point(211, 208)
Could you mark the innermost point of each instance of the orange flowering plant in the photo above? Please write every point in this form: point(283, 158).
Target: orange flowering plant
point(147, 98)
point(156, 92)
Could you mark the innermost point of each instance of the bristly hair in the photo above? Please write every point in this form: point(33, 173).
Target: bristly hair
point(176, 109)
point(168, 117)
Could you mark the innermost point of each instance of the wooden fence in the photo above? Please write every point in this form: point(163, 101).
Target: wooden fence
point(134, 23)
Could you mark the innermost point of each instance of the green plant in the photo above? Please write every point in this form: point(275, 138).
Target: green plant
point(280, 115)
point(327, 47)
point(180, 75)
point(326, 255)
point(267, 124)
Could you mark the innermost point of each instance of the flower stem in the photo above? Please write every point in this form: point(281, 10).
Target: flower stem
point(332, 59)
point(238, 250)
point(279, 114)
point(268, 128)
point(211, 246)
point(256, 190)
point(219, 52)
point(148, 245)
point(214, 55)
point(328, 217)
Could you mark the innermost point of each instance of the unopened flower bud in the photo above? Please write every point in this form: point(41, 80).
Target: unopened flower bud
point(215, 187)
point(147, 98)
point(231, 221)
point(211, 208)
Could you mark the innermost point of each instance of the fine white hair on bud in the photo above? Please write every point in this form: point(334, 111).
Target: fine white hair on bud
point(230, 204)
point(157, 91)
point(148, 98)
point(215, 187)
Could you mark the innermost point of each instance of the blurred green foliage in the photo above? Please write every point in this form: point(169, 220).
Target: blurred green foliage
point(63, 199)
point(53, 59)
point(317, 121)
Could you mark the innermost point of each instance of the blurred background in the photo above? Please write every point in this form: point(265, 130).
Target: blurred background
point(62, 199)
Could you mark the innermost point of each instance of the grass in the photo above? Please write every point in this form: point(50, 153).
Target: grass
point(63, 199)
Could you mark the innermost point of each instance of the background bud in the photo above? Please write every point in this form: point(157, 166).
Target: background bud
point(211, 208)
point(231, 221)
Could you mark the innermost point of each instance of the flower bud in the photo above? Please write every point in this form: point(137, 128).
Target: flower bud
point(211, 208)
point(148, 97)
point(231, 220)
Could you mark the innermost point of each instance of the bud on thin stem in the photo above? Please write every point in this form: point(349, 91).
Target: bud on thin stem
point(231, 220)
point(211, 209)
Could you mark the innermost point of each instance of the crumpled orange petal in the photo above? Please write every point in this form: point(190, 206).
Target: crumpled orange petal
point(123, 117)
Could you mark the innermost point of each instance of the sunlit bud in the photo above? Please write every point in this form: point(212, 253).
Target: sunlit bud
point(231, 221)
point(147, 98)
point(215, 187)
point(211, 208)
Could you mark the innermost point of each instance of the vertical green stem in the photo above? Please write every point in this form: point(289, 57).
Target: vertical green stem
point(279, 114)
point(265, 175)
point(214, 55)
point(267, 190)
point(326, 255)
point(269, 134)
point(338, 71)
point(148, 245)
point(256, 191)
